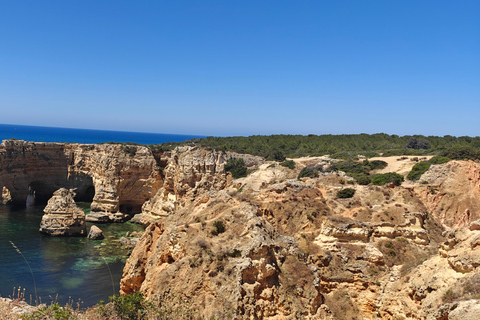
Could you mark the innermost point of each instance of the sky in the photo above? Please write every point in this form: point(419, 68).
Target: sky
point(228, 68)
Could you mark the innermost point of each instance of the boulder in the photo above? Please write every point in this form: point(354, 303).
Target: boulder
point(98, 217)
point(62, 216)
point(95, 233)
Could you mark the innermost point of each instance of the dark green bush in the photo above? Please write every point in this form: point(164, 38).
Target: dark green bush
point(237, 167)
point(418, 169)
point(278, 156)
point(377, 164)
point(53, 311)
point(130, 150)
point(235, 253)
point(345, 193)
point(350, 167)
point(389, 177)
point(132, 306)
point(310, 173)
point(362, 178)
point(289, 164)
point(415, 143)
point(461, 153)
point(218, 227)
point(422, 167)
point(438, 160)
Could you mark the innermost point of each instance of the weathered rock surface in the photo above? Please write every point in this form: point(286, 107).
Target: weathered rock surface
point(269, 246)
point(62, 216)
point(95, 233)
point(291, 249)
point(115, 178)
point(249, 270)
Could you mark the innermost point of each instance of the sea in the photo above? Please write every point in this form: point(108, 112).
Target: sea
point(63, 269)
point(51, 134)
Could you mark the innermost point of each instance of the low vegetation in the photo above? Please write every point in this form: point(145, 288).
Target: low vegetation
point(387, 178)
point(346, 193)
point(360, 171)
point(289, 164)
point(422, 167)
point(121, 307)
point(237, 167)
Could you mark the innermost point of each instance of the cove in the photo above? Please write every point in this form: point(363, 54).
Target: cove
point(65, 269)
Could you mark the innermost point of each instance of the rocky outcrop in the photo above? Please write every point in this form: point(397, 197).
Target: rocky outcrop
point(452, 192)
point(190, 172)
point(115, 178)
point(95, 233)
point(291, 249)
point(249, 270)
point(62, 216)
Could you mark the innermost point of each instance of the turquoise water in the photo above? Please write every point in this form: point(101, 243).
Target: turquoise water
point(49, 134)
point(64, 268)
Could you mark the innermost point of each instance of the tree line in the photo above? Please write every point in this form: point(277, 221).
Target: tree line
point(346, 146)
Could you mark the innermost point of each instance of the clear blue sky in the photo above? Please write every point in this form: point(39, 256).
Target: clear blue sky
point(243, 67)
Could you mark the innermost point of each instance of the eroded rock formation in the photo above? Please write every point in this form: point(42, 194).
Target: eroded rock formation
point(62, 216)
point(292, 250)
point(116, 178)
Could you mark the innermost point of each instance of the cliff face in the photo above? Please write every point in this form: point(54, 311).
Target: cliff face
point(114, 177)
point(271, 247)
point(452, 192)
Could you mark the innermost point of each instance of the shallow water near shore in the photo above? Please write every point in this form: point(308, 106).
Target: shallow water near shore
point(64, 268)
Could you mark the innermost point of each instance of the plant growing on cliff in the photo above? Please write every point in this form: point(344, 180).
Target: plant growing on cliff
point(130, 150)
point(132, 306)
point(422, 167)
point(345, 193)
point(237, 167)
point(289, 164)
point(53, 311)
point(218, 227)
point(389, 177)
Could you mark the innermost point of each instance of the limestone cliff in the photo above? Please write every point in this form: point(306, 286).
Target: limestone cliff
point(114, 177)
point(290, 249)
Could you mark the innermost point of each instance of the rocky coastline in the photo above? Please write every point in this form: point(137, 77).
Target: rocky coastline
point(269, 245)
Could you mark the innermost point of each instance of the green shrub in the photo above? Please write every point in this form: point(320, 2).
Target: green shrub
point(461, 153)
point(439, 160)
point(278, 156)
point(310, 173)
point(415, 143)
point(289, 164)
point(350, 167)
point(362, 179)
point(389, 177)
point(130, 150)
point(218, 227)
point(132, 306)
point(418, 169)
point(235, 253)
point(377, 164)
point(237, 167)
point(345, 193)
point(53, 311)
point(422, 167)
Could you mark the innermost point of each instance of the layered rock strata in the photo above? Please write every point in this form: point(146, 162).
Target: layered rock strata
point(62, 216)
point(291, 250)
point(115, 178)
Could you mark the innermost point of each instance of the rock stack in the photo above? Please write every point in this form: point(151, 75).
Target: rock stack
point(62, 216)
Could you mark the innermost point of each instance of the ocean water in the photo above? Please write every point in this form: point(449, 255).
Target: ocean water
point(50, 134)
point(64, 268)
